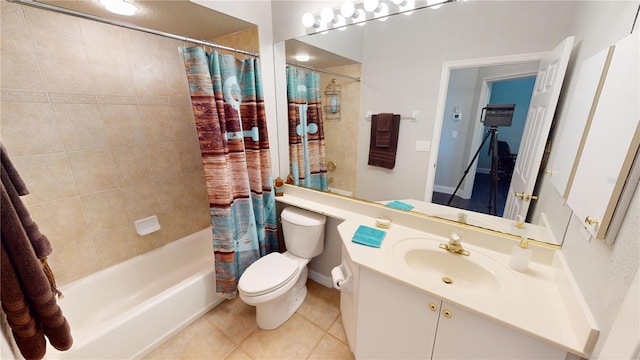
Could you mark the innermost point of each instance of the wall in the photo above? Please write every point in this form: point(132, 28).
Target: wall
point(340, 134)
point(98, 121)
point(531, 28)
point(603, 273)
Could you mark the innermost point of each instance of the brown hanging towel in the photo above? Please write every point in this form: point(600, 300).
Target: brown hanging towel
point(383, 144)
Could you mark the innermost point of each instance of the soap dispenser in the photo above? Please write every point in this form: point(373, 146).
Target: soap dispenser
point(521, 254)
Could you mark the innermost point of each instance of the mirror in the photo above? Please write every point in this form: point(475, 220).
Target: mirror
point(402, 72)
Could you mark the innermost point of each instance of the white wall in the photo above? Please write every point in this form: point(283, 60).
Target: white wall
point(401, 84)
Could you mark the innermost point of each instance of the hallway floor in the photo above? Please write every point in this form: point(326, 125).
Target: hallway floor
point(229, 331)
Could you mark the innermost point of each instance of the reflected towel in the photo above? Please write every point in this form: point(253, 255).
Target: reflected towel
point(369, 236)
point(384, 144)
point(399, 205)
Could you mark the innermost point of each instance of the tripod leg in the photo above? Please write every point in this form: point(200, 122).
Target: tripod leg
point(466, 171)
point(493, 188)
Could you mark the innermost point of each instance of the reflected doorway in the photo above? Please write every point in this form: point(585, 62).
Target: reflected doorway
point(458, 133)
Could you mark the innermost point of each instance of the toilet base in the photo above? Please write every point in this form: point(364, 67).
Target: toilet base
point(276, 312)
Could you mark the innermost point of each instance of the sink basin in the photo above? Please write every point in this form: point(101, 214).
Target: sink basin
point(477, 273)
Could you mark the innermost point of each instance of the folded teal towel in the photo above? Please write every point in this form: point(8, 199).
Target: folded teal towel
point(399, 205)
point(368, 236)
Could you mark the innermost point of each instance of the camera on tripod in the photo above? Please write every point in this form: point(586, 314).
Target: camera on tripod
point(498, 114)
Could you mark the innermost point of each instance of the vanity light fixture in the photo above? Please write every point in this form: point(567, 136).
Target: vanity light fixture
point(360, 18)
point(308, 20)
point(341, 23)
point(120, 7)
point(405, 6)
point(383, 12)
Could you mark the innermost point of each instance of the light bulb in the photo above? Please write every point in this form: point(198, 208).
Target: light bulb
point(399, 2)
point(302, 58)
point(360, 18)
point(341, 23)
point(120, 7)
point(308, 20)
point(383, 12)
point(327, 16)
point(371, 5)
point(408, 7)
point(347, 9)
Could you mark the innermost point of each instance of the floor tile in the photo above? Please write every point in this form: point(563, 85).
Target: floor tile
point(331, 348)
point(295, 339)
point(322, 305)
point(234, 318)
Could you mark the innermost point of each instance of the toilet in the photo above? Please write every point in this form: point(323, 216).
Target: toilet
point(276, 284)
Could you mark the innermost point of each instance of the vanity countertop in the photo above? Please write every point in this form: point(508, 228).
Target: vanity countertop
point(542, 302)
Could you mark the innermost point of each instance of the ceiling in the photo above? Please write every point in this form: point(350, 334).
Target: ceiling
point(185, 18)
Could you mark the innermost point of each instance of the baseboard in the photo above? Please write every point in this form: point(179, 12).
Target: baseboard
point(443, 189)
point(320, 279)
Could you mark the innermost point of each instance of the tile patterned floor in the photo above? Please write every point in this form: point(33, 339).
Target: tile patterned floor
point(229, 331)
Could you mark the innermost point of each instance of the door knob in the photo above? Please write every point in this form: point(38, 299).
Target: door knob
point(525, 197)
point(590, 220)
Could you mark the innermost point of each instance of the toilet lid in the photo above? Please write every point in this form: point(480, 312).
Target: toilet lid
point(267, 274)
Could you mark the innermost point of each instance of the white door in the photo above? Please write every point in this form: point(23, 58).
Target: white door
point(543, 105)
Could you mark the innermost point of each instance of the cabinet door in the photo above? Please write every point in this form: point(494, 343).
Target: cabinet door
point(611, 144)
point(394, 320)
point(463, 335)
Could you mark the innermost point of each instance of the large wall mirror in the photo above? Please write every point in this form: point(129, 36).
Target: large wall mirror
point(437, 68)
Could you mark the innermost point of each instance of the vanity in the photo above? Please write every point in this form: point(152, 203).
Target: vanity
point(410, 298)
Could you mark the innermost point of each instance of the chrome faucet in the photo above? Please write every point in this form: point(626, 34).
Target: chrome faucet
point(454, 245)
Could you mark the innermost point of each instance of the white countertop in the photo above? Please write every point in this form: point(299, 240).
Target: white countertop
point(542, 302)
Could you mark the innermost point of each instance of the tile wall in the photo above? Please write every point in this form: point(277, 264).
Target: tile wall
point(98, 121)
point(341, 136)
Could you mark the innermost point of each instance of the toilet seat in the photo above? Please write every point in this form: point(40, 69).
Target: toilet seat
point(267, 274)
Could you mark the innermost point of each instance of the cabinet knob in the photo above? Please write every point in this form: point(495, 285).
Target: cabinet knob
point(590, 220)
point(433, 307)
point(447, 313)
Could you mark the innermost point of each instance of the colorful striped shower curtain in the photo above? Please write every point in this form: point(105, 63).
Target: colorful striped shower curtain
point(308, 164)
point(228, 106)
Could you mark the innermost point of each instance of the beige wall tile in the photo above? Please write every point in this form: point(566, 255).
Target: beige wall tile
point(175, 75)
point(49, 25)
point(132, 165)
point(147, 71)
point(19, 64)
point(107, 35)
point(93, 170)
point(156, 123)
point(184, 125)
point(103, 210)
point(81, 126)
point(110, 69)
point(190, 156)
point(12, 19)
point(64, 71)
point(115, 245)
point(163, 160)
point(48, 177)
point(29, 129)
point(60, 220)
point(150, 241)
point(123, 125)
point(73, 259)
point(142, 200)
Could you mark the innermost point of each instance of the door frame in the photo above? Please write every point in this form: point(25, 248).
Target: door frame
point(447, 67)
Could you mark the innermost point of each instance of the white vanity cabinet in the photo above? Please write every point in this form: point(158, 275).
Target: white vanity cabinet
point(395, 321)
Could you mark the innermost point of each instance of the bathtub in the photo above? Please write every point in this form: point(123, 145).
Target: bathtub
point(127, 310)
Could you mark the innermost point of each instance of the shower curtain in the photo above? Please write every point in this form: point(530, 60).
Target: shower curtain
point(308, 165)
point(228, 106)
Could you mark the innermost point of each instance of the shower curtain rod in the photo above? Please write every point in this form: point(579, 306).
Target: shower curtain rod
point(79, 14)
point(323, 71)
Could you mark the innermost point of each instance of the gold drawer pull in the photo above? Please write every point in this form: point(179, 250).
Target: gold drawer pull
point(433, 307)
point(447, 313)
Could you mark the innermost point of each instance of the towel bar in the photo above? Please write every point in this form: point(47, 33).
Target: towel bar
point(412, 117)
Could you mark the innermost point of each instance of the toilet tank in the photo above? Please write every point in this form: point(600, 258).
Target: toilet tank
point(303, 232)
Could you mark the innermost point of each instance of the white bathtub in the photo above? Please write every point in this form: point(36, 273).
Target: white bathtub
point(127, 310)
